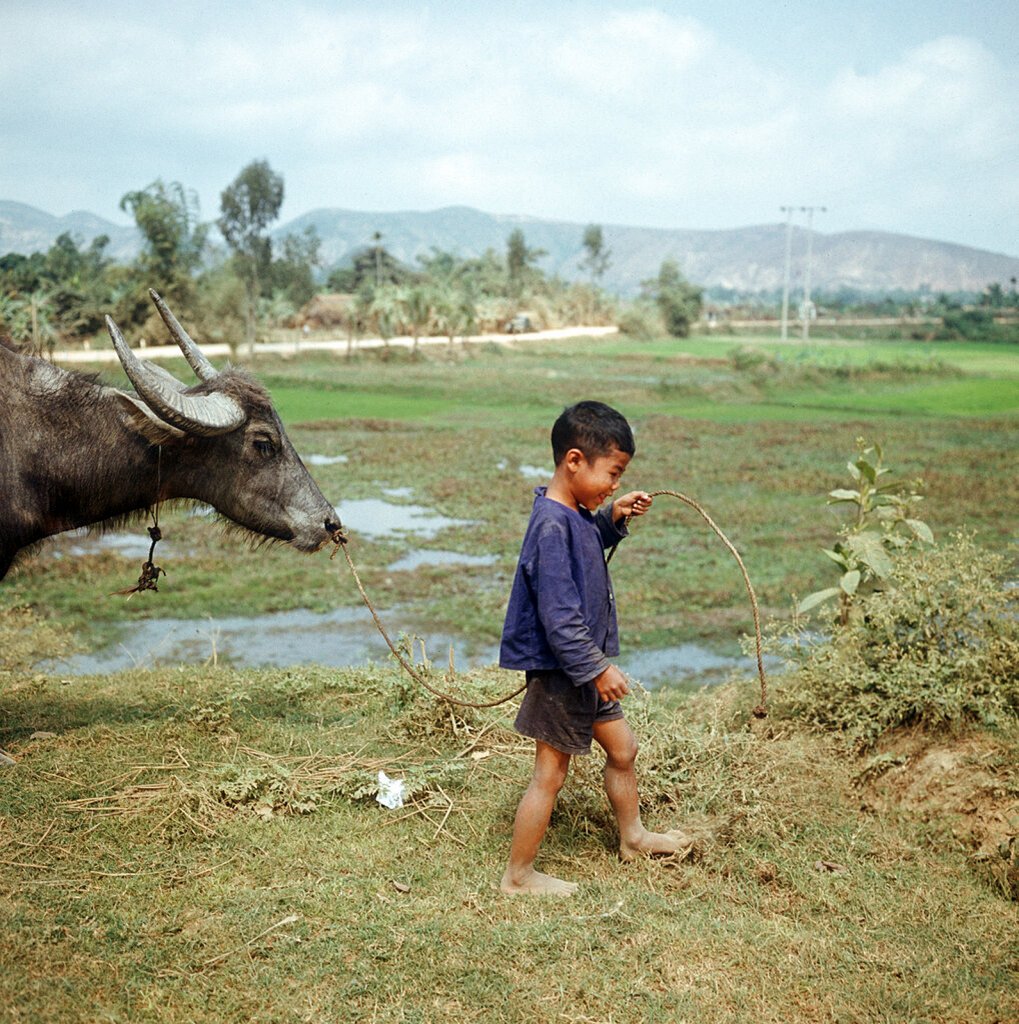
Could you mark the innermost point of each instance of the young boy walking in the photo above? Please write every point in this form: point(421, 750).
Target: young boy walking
point(561, 630)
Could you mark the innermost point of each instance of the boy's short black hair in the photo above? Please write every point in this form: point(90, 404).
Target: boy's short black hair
point(593, 427)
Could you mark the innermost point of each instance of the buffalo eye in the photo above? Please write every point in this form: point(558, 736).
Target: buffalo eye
point(264, 446)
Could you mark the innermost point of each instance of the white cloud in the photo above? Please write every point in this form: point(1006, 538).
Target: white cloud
point(630, 114)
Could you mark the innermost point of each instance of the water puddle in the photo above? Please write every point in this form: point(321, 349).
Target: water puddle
point(378, 519)
point(324, 460)
point(136, 545)
point(371, 517)
point(683, 663)
point(666, 664)
point(343, 637)
point(417, 559)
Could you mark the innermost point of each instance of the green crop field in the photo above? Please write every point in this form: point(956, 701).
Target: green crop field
point(759, 444)
point(201, 842)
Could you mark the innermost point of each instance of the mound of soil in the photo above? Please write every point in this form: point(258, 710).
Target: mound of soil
point(965, 786)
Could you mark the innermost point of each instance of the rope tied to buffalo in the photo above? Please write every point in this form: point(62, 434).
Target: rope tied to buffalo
point(408, 667)
point(760, 711)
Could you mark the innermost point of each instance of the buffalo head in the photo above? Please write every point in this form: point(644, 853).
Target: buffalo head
point(232, 451)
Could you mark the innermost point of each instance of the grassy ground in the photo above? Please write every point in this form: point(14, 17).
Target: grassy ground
point(203, 844)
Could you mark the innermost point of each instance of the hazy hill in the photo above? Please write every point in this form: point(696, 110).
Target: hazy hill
point(25, 229)
point(746, 259)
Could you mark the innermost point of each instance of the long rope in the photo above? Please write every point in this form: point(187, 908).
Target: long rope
point(407, 666)
point(760, 711)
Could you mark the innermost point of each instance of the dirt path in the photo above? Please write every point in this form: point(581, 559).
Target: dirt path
point(107, 355)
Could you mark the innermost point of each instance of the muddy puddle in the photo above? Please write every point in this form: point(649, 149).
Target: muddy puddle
point(374, 518)
point(346, 637)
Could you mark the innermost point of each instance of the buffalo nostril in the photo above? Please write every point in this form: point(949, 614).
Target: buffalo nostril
point(332, 527)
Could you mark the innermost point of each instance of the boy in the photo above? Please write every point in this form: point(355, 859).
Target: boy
point(561, 630)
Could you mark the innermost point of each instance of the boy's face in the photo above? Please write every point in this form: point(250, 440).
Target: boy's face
point(594, 481)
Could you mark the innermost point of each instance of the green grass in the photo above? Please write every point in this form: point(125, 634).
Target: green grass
point(297, 405)
point(971, 397)
point(151, 873)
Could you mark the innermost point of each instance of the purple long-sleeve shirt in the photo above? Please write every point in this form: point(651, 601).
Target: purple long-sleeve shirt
point(562, 613)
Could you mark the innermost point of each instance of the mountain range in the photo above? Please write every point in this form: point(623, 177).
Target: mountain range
point(746, 260)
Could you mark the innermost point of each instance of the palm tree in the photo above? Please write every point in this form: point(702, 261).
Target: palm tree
point(28, 321)
point(454, 312)
point(386, 309)
point(416, 306)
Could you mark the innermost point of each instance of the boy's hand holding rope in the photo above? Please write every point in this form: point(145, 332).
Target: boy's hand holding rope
point(760, 711)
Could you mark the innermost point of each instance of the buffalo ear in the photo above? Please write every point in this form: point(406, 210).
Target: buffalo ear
point(141, 419)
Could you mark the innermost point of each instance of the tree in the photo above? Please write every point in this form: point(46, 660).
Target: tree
point(386, 309)
point(248, 206)
point(77, 285)
point(416, 306)
point(597, 258)
point(371, 267)
point(520, 263)
point(454, 311)
point(28, 322)
point(293, 274)
point(168, 219)
point(993, 296)
point(679, 301)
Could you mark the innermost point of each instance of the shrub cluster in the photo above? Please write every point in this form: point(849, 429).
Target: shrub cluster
point(937, 646)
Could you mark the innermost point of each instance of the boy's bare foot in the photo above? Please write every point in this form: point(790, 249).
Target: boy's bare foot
point(652, 844)
point(535, 883)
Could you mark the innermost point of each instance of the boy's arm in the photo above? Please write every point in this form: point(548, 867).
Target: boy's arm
point(558, 605)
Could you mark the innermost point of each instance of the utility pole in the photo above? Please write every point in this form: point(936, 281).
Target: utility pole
point(377, 239)
point(809, 210)
point(788, 211)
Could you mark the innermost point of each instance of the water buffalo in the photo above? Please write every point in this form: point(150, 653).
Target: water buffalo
point(74, 452)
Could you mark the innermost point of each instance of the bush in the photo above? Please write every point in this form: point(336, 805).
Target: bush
point(938, 647)
point(976, 325)
point(643, 321)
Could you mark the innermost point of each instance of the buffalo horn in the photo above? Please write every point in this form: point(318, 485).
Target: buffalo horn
point(204, 415)
point(204, 370)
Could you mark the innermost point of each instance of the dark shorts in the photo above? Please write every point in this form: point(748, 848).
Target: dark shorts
point(558, 712)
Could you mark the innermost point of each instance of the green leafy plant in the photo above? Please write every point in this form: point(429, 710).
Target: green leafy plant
point(938, 647)
point(884, 525)
point(268, 791)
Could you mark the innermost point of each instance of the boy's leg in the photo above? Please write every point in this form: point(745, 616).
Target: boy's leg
point(620, 745)
point(531, 822)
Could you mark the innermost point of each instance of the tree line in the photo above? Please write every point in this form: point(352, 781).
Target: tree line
point(238, 289)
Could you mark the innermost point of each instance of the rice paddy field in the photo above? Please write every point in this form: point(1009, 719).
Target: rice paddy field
point(197, 837)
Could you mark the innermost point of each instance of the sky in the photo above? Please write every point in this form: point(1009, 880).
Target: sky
point(895, 116)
